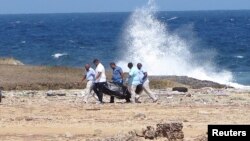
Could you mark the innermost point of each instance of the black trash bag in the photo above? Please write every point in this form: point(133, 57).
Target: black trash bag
point(120, 92)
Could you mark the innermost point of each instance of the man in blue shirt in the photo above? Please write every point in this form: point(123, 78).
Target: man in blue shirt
point(117, 77)
point(90, 77)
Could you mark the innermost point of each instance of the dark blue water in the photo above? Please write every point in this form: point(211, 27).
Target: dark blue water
point(34, 39)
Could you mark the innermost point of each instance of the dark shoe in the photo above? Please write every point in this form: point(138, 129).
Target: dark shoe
point(128, 100)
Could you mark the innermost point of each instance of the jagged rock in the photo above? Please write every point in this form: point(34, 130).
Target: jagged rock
point(61, 94)
point(172, 131)
point(150, 133)
point(140, 133)
point(28, 118)
point(176, 135)
point(162, 129)
point(180, 89)
point(55, 94)
point(192, 82)
point(51, 94)
point(176, 126)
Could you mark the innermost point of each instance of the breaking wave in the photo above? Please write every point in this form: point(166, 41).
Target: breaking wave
point(147, 40)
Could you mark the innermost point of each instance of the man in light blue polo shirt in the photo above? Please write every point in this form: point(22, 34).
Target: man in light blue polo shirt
point(133, 81)
point(90, 77)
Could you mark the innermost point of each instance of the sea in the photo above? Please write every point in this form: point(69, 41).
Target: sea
point(207, 45)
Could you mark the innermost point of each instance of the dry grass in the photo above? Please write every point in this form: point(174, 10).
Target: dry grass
point(18, 77)
point(32, 77)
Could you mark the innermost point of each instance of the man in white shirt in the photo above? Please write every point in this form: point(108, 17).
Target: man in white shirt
point(100, 79)
point(90, 77)
point(145, 82)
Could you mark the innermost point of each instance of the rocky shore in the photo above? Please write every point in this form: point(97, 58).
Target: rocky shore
point(46, 103)
point(62, 115)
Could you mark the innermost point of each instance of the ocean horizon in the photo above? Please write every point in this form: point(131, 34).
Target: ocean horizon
point(99, 12)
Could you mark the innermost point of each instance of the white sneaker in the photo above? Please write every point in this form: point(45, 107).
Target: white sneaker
point(99, 103)
point(154, 101)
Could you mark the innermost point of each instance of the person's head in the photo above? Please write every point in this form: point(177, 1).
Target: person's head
point(96, 62)
point(139, 65)
point(112, 65)
point(87, 66)
point(130, 65)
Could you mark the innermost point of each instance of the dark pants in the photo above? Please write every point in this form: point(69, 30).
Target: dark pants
point(98, 90)
point(0, 96)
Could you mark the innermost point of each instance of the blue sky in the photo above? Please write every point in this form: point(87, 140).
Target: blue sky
point(69, 6)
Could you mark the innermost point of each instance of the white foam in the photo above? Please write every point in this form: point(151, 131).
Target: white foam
point(23, 42)
point(173, 18)
point(17, 22)
point(58, 55)
point(148, 41)
point(239, 56)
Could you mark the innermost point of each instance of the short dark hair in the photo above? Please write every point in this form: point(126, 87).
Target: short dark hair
point(130, 64)
point(112, 63)
point(95, 60)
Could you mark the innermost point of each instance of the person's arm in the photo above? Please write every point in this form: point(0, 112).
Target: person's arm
point(93, 75)
point(121, 73)
point(145, 75)
point(98, 75)
point(83, 78)
point(130, 74)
